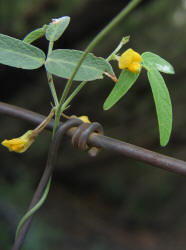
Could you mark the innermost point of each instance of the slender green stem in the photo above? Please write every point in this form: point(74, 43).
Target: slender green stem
point(34, 209)
point(74, 93)
point(50, 78)
point(50, 48)
point(94, 42)
point(52, 88)
point(112, 56)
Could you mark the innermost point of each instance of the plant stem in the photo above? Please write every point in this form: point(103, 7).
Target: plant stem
point(94, 42)
point(43, 124)
point(74, 93)
point(50, 78)
point(112, 56)
point(52, 88)
point(34, 209)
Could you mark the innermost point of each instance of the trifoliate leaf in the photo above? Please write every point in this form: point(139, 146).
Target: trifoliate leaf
point(162, 103)
point(125, 82)
point(153, 61)
point(61, 62)
point(16, 53)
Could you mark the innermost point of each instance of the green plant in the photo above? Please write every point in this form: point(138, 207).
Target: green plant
point(63, 63)
point(84, 67)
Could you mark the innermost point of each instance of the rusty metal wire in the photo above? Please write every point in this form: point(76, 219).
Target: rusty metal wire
point(84, 136)
point(104, 142)
point(81, 135)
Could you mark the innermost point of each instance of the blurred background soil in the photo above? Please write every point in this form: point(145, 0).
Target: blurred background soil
point(107, 202)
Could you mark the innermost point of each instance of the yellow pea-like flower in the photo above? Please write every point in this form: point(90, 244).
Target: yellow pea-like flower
point(84, 118)
point(20, 144)
point(130, 60)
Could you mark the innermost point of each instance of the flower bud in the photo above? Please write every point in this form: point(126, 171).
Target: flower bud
point(20, 144)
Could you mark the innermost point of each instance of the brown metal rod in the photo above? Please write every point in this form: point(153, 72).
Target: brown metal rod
point(126, 149)
point(139, 153)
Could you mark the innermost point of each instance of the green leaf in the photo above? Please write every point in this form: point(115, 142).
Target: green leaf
point(153, 61)
point(16, 53)
point(61, 62)
point(125, 82)
point(56, 28)
point(36, 34)
point(163, 104)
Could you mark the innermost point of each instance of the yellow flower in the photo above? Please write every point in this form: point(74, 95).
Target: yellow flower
point(20, 144)
point(130, 60)
point(84, 118)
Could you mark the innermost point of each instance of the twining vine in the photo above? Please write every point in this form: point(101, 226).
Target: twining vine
point(83, 66)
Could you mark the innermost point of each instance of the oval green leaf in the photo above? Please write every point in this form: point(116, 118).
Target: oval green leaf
point(153, 61)
point(163, 105)
point(56, 28)
point(16, 53)
point(125, 82)
point(35, 34)
point(61, 62)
